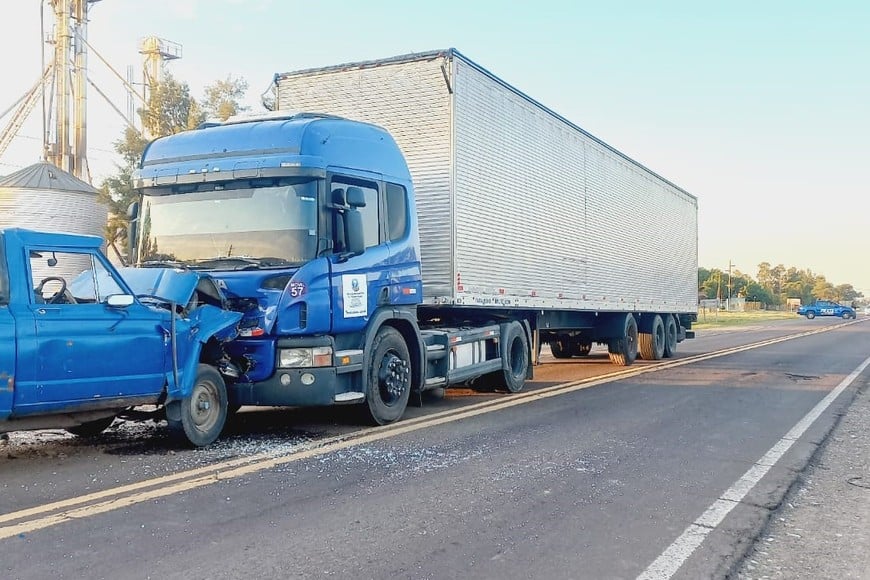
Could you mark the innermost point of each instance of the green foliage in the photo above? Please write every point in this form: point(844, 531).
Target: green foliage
point(774, 285)
point(169, 108)
point(222, 99)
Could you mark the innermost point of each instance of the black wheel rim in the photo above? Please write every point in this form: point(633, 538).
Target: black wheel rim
point(394, 377)
point(517, 357)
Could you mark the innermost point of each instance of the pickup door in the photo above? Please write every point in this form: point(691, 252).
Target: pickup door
point(79, 352)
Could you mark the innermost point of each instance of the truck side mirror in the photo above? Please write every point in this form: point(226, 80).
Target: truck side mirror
point(356, 243)
point(132, 229)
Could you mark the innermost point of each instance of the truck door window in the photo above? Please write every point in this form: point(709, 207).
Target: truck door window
point(397, 212)
point(371, 211)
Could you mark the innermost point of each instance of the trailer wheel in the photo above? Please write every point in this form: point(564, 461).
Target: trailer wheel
point(652, 344)
point(623, 350)
point(200, 417)
point(579, 348)
point(91, 428)
point(515, 355)
point(389, 380)
point(810, 314)
point(561, 347)
point(670, 336)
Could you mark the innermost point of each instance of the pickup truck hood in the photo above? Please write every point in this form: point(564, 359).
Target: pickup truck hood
point(170, 284)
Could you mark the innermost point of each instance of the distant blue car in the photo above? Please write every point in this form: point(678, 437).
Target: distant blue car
point(826, 308)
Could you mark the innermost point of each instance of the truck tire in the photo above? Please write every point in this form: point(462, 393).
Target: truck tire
point(847, 315)
point(388, 384)
point(652, 344)
point(670, 336)
point(561, 347)
point(200, 417)
point(810, 314)
point(623, 350)
point(91, 428)
point(515, 359)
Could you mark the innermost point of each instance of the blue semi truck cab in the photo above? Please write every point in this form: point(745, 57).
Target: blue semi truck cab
point(308, 223)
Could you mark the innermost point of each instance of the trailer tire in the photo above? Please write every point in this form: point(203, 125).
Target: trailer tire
point(623, 350)
point(200, 417)
point(810, 314)
point(561, 347)
point(670, 336)
point(91, 428)
point(388, 384)
point(515, 357)
point(581, 348)
point(652, 344)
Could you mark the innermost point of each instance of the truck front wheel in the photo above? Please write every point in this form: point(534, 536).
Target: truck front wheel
point(389, 380)
point(200, 417)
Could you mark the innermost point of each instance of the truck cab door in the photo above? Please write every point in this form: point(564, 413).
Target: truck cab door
point(88, 354)
point(359, 283)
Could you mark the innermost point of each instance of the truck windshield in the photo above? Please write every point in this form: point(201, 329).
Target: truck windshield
point(230, 229)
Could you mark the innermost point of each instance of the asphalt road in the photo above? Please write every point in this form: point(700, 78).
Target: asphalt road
point(605, 477)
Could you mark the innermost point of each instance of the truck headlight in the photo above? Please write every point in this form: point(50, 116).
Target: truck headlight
point(318, 356)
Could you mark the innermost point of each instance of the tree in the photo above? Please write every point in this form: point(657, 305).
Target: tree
point(169, 108)
point(117, 191)
point(223, 98)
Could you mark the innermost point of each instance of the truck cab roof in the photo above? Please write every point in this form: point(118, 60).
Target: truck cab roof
point(270, 146)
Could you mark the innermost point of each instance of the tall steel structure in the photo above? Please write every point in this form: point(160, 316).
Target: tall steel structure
point(68, 150)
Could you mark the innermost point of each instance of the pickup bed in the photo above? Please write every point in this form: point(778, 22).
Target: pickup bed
point(81, 344)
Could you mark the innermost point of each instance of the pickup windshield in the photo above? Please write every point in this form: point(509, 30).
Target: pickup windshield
point(251, 227)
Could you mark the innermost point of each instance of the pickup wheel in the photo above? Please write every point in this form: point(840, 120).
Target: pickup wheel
point(623, 350)
point(847, 315)
point(200, 417)
point(91, 428)
point(389, 378)
point(670, 336)
point(652, 344)
point(810, 314)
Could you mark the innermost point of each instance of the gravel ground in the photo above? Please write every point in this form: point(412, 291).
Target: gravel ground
point(822, 529)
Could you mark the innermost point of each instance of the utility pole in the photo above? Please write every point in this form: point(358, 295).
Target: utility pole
point(729, 285)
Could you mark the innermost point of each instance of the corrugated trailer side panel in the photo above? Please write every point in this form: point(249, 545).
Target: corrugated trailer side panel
point(410, 99)
point(547, 216)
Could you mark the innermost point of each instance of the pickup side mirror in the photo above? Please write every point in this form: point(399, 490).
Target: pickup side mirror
point(119, 300)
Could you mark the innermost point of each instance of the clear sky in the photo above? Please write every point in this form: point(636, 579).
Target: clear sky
point(760, 109)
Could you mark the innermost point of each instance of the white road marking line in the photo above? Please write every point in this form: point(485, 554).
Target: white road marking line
point(667, 564)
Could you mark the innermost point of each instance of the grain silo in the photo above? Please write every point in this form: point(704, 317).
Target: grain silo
point(46, 198)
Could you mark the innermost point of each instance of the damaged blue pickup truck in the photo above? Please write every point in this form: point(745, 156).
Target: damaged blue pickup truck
point(82, 343)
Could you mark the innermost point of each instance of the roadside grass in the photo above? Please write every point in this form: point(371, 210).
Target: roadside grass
point(720, 319)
